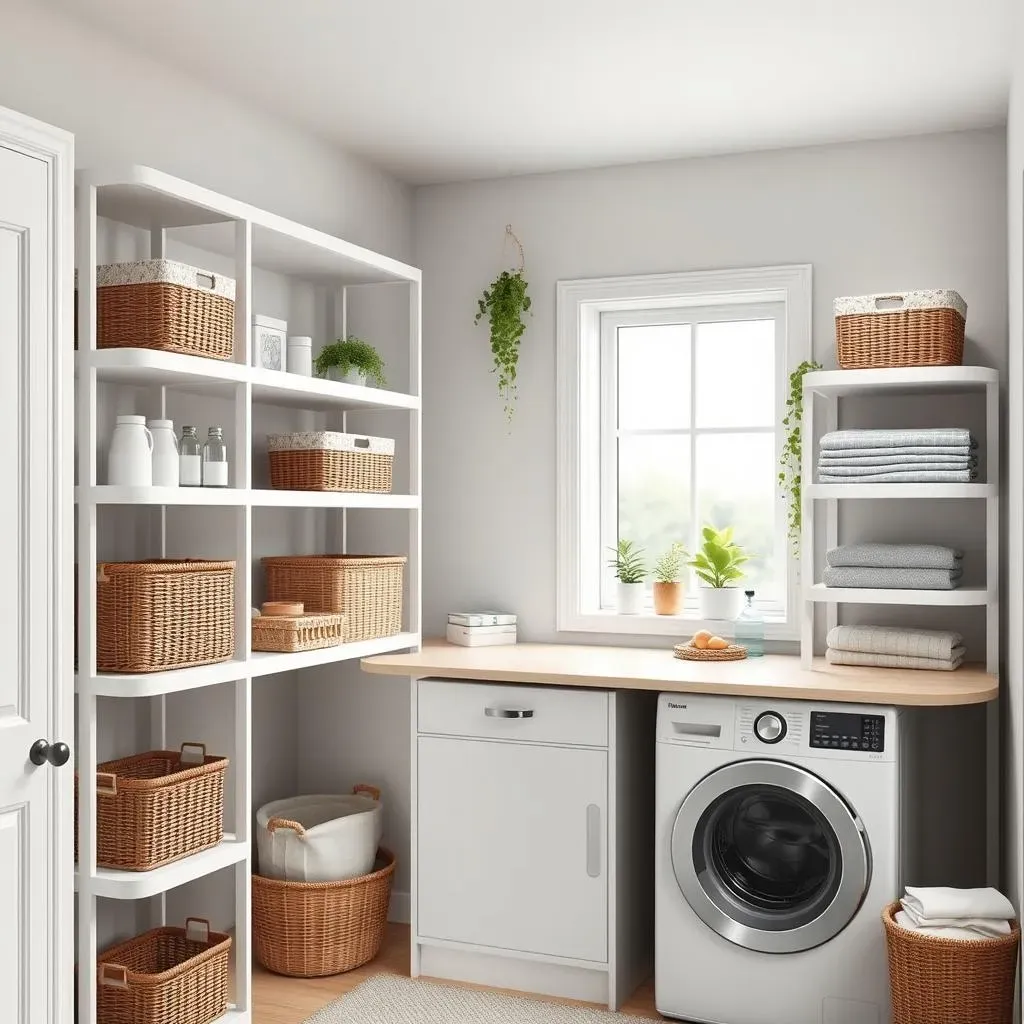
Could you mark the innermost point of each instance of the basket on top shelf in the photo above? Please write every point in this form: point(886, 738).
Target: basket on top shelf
point(164, 614)
point(165, 976)
point(919, 328)
point(326, 460)
point(367, 590)
point(164, 305)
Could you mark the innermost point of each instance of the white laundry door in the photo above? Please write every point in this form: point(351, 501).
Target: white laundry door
point(36, 916)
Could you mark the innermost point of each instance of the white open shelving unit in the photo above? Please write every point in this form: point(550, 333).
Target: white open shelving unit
point(146, 199)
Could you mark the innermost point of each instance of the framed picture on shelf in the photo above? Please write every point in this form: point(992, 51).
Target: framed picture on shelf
point(269, 343)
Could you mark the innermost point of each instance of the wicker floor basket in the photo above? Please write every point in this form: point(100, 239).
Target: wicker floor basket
point(366, 590)
point(163, 305)
point(313, 929)
point(160, 615)
point(331, 461)
point(157, 807)
point(950, 981)
point(912, 329)
point(165, 976)
point(290, 633)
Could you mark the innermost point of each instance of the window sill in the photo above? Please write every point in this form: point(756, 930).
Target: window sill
point(679, 626)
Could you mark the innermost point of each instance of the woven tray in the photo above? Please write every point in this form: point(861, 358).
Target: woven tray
point(313, 929)
point(165, 976)
point(288, 633)
point(950, 981)
point(731, 653)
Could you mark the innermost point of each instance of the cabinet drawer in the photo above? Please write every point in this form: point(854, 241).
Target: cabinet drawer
point(536, 714)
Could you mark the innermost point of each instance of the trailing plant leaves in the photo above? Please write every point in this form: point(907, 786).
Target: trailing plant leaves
point(504, 304)
point(792, 451)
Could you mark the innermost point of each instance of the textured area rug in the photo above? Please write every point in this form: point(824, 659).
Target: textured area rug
point(389, 999)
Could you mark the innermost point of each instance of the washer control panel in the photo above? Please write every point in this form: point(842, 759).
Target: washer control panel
point(840, 730)
point(770, 727)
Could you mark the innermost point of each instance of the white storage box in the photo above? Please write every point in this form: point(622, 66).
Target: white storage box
point(320, 838)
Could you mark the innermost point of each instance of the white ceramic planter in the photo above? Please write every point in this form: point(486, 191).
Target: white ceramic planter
point(720, 602)
point(630, 598)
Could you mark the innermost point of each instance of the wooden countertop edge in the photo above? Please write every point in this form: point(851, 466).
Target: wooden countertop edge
point(901, 687)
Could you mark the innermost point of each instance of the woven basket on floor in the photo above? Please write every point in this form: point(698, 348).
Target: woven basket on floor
point(330, 461)
point(164, 614)
point(912, 329)
point(160, 304)
point(950, 981)
point(312, 929)
point(165, 976)
point(366, 590)
point(157, 807)
point(289, 633)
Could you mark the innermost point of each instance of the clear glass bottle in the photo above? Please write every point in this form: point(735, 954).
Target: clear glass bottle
point(750, 628)
point(215, 459)
point(190, 458)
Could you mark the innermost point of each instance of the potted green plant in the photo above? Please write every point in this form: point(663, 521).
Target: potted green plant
point(352, 361)
point(717, 566)
point(630, 571)
point(668, 589)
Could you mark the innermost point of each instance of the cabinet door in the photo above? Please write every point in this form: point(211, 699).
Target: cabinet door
point(512, 846)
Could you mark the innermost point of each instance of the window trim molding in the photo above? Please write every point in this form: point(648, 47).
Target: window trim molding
point(580, 304)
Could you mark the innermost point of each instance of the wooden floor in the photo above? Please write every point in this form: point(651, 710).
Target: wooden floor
point(278, 1000)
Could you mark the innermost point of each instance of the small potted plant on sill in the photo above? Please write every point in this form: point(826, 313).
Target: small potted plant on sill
point(630, 571)
point(717, 566)
point(351, 361)
point(668, 590)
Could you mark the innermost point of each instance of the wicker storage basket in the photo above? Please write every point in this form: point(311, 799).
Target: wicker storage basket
point(312, 929)
point(910, 329)
point(949, 981)
point(165, 976)
point(288, 633)
point(367, 591)
point(160, 615)
point(157, 807)
point(165, 305)
point(325, 460)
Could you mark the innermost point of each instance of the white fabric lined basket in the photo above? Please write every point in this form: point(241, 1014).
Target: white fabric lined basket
point(165, 272)
point(884, 303)
point(330, 440)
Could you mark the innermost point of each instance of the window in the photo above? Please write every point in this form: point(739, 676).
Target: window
point(671, 397)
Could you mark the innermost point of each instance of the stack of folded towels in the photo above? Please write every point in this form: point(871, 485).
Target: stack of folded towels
point(894, 567)
point(894, 647)
point(897, 456)
point(956, 913)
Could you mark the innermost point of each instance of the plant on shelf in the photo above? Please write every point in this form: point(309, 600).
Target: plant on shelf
point(668, 590)
point(352, 361)
point(631, 571)
point(503, 304)
point(717, 565)
point(789, 461)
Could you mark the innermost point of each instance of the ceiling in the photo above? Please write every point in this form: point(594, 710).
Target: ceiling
point(441, 90)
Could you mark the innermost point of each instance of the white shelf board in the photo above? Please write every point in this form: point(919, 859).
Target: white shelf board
point(263, 663)
point(900, 380)
point(152, 684)
point(147, 367)
point(267, 498)
point(959, 598)
point(292, 390)
point(137, 885)
point(104, 494)
point(819, 492)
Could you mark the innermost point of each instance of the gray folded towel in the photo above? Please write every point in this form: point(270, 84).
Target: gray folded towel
point(895, 556)
point(892, 579)
point(917, 476)
point(838, 469)
point(895, 641)
point(909, 449)
point(896, 660)
point(895, 458)
point(840, 439)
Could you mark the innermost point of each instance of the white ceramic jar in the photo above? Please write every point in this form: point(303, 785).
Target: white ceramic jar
point(130, 457)
point(165, 453)
point(300, 355)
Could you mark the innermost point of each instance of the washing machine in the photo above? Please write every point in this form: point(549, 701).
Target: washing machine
point(782, 830)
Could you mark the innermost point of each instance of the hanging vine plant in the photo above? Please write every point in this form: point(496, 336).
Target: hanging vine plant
point(503, 304)
point(792, 450)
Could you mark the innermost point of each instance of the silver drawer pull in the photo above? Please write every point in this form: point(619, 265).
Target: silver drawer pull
point(494, 712)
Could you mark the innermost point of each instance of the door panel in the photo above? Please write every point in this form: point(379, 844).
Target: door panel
point(512, 846)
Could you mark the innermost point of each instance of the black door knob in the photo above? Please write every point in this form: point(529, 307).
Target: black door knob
point(56, 753)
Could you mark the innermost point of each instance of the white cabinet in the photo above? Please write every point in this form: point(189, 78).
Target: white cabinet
point(533, 837)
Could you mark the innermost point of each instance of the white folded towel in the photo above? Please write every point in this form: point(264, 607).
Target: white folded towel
point(987, 926)
point(944, 932)
point(946, 902)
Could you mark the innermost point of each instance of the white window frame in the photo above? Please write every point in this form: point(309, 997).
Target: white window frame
point(580, 305)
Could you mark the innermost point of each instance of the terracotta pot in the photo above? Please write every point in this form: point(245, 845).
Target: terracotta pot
point(668, 598)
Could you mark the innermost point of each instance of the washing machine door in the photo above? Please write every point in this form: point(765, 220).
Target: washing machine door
point(770, 856)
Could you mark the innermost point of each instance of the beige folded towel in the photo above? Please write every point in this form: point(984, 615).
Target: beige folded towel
point(895, 660)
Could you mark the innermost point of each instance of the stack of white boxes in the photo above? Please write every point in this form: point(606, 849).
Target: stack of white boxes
point(481, 629)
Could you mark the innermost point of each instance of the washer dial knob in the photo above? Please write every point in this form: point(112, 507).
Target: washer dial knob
point(769, 727)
